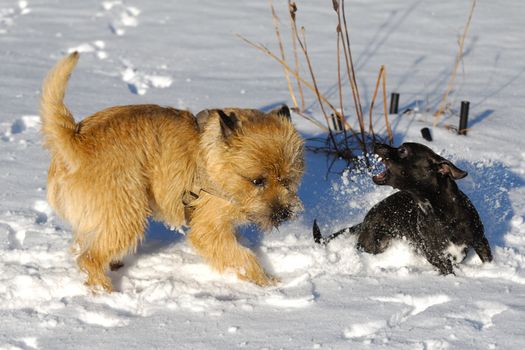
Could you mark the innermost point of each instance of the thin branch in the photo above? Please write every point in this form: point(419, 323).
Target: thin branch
point(351, 74)
point(269, 53)
point(459, 56)
point(281, 49)
point(292, 9)
point(371, 124)
point(385, 111)
point(302, 44)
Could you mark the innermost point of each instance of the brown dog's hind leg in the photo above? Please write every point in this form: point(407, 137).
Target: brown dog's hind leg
point(119, 230)
point(94, 264)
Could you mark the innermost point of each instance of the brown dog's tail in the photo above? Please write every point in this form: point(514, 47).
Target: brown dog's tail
point(58, 124)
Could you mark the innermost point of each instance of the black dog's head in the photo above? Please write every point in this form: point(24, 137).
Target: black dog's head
point(413, 166)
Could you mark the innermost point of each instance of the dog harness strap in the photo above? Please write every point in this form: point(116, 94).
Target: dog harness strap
point(190, 196)
point(187, 198)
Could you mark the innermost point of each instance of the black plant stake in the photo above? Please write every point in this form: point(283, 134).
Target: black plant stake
point(337, 124)
point(425, 132)
point(463, 118)
point(394, 102)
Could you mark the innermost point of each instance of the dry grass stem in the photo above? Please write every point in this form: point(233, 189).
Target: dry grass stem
point(269, 53)
point(459, 56)
point(292, 9)
point(283, 56)
point(351, 73)
point(302, 44)
point(340, 143)
point(385, 110)
point(370, 120)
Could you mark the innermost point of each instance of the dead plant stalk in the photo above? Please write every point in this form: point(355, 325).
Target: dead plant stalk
point(283, 56)
point(292, 9)
point(269, 53)
point(459, 57)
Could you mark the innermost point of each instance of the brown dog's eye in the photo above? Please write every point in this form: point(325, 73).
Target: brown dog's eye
point(259, 182)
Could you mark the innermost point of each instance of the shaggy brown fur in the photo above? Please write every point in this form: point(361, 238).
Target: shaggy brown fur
point(116, 168)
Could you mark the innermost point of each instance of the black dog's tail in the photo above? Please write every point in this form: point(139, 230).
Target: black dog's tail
point(319, 239)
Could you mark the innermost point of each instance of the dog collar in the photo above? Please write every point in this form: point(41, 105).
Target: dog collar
point(190, 196)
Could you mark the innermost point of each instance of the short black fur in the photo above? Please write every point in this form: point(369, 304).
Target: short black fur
point(429, 210)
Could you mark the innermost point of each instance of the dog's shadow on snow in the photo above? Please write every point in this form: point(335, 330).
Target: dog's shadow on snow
point(156, 238)
point(488, 187)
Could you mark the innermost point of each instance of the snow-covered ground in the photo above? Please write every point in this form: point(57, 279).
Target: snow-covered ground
point(185, 54)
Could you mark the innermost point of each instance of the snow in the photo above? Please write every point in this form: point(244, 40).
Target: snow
point(185, 54)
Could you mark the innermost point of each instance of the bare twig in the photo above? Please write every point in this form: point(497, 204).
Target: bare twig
point(380, 77)
point(302, 44)
point(339, 84)
point(459, 56)
point(371, 124)
point(385, 111)
point(292, 9)
point(281, 49)
point(269, 53)
point(351, 73)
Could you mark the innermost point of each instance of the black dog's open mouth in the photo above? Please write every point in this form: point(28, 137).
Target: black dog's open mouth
point(382, 177)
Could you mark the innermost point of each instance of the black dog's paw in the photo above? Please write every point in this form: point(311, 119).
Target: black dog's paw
point(445, 267)
point(318, 238)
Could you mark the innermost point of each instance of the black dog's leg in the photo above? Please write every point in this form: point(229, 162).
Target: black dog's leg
point(374, 240)
point(443, 264)
point(319, 239)
point(482, 248)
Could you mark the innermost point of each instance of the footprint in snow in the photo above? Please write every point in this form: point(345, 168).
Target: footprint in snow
point(139, 82)
point(26, 123)
point(367, 329)
point(8, 15)
point(120, 16)
point(416, 305)
point(482, 316)
point(100, 318)
point(96, 47)
point(294, 294)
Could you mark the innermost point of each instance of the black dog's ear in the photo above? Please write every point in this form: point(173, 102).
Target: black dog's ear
point(229, 123)
point(284, 112)
point(446, 167)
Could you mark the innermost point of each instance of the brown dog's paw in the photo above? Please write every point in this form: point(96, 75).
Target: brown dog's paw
point(260, 279)
point(274, 280)
point(116, 265)
point(99, 285)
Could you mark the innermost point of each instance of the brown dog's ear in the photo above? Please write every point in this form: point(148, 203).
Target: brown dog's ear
point(202, 118)
point(284, 112)
point(229, 123)
point(446, 167)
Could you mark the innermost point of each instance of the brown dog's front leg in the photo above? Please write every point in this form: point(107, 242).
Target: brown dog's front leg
point(213, 236)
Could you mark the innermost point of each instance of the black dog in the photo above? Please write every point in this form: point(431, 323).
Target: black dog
point(429, 210)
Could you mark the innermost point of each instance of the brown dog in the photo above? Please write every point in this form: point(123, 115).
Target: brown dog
point(116, 168)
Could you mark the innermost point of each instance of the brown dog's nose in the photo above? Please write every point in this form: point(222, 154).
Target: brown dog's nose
point(280, 214)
